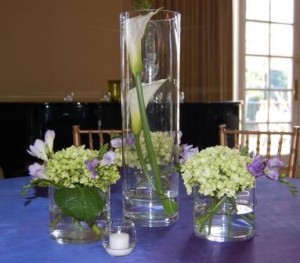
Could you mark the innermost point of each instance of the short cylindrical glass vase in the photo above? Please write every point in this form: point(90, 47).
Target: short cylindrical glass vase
point(66, 229)
point(150, 51)
point(225, 219)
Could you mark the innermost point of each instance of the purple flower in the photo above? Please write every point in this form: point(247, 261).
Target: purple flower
point(92, 166)
point(256, 168)
point(37, 171)
point(187, 152)
point(268, 167)
point(273, 167)
point(108, 158)
point(130, 139)
point(116, 143)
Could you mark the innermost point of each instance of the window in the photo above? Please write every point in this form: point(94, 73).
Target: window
point(266, 61)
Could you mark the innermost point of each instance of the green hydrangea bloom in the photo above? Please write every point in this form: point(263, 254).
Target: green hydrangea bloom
point(67, 168)
point(218, 171)
point(163, 144)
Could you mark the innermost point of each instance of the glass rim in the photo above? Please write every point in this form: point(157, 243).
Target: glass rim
point(119, 222)
point(146, 11)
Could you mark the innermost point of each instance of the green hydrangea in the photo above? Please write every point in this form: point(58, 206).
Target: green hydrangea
point(67, 168)
point(163, 145)
point(218, 171)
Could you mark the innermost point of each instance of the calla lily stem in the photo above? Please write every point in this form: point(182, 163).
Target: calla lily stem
point(170, 206)
point(141, 159)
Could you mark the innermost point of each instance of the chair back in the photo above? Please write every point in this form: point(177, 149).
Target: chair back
point(93, 138)
point(267, 143)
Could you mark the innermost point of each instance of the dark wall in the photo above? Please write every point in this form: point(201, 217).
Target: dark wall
point(22, 123)
point(200, 122)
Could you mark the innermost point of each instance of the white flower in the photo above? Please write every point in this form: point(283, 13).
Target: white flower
point(134, 32)
point(38, 149)
point(149, 90)
point(49, 138)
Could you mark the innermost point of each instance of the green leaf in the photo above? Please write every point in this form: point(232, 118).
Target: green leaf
point(290, 185)
point(81, 203)
point(102, 151)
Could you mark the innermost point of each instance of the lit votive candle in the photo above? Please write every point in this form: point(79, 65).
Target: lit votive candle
point(119, 244)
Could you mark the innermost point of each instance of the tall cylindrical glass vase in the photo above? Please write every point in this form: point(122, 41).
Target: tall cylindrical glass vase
point(150, 48)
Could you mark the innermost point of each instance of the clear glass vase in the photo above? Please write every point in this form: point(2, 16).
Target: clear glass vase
point(65, 229)
point(232, 219)
point(150, 111)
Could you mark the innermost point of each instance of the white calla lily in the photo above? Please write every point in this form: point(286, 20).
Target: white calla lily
point(149, 89)
point(135, 29)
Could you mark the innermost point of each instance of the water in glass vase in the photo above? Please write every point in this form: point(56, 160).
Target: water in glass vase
point(144, 208)
point(65, 229)
point(227, 226)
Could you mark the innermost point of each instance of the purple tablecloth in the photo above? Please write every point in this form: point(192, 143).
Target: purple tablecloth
point(24, 232)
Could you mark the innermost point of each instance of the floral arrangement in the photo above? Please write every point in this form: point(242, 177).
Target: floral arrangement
point(77, 174)
point(222, 173)
point(139, 97)
point(218, 171)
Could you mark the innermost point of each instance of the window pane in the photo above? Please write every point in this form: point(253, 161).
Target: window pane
point(256, 110)
point(255, 13)
point(257, 38)
point(280, 106)
point(282, 11)
point(281, 40)
point(256, 72)
point(281, 73)
point(262, 115)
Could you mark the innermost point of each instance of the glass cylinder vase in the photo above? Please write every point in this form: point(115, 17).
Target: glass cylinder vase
point(66, 229)
point(150, 49)
point(226, 219)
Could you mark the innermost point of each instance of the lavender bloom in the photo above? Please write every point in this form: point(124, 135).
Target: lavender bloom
point(91, 166)
point(108, 158)
point(130, 139)
point(37, 171)
point(188, 152)
point(116, 143)
point(273, 167)
point(256, 168)
point(275, 162)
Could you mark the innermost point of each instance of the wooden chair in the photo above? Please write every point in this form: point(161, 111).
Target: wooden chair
point(266, 143)
point(1, 173)
point(93, 138)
